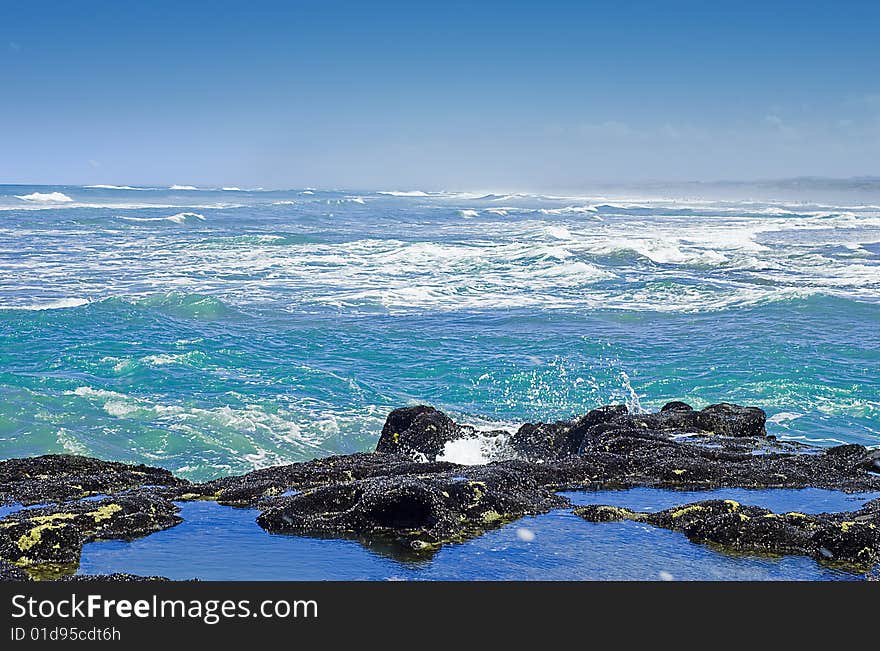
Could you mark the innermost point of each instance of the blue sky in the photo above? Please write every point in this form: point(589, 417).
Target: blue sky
point(464, 95)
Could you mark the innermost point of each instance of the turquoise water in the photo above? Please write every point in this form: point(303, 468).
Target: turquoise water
point(224, 543)
point(217, 331)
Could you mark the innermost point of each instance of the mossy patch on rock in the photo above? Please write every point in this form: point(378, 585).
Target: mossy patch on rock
point(44, 539)
point(605, 513)
point(401, 498)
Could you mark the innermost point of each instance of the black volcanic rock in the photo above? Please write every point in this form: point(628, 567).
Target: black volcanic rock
point(63, 477)
point(415, 512)
point(676, 405)
point(723, 419)
point(422, 432)
point(847, 539)
point(419, 431)
point(733, 420)
point(9, 572)
point(54, 536)
point(251, 488)
point(400, 498)
point(550, 441)
point(116, 577)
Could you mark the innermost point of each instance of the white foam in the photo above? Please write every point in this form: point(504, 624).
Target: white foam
point(784, 416)
point(559, 232)
point(178, 218)
point(467, 452)
point(182, 217)
point(469, 214)
point(182, 187)
point(569, 210)
point(34, 206)
point(405, 193)
point(488, 443)
point(70, 444)
point(272, 435)
point(59, 304)
point(102, 186)
point(45, 197)
point(676, 260)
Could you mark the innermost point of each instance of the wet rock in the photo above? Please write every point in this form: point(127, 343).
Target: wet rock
point(47, 540)
point(872, 463)
point(9, 572)
point(63, 477)
point(417, 513)
point(419, 432)
point(549, 441)
point(628, 458)
point(723, 419)
point(389, 500)
point(676, 405)
point(733, 420)
point(849, 539)
point(116, 577)
point(422, 432)
point(250, 489)
point(605, 513)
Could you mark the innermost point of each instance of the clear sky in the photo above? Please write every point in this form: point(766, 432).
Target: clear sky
point(431, 95)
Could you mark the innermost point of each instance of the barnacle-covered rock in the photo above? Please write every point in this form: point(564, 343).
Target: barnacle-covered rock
point(415, 512)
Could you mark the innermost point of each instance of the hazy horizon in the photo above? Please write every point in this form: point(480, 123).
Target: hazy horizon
point(796, 189)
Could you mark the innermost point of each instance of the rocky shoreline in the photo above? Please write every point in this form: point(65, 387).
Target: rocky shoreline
point(403, 498)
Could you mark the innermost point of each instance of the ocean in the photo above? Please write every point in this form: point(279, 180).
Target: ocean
point(215, 331)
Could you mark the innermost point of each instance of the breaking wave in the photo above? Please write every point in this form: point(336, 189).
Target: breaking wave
point(45, 197)
point(178, 218)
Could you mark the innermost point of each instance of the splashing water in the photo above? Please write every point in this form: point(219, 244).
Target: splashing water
point(216, 331)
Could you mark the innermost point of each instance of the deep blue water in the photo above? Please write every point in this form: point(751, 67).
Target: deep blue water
point(213, 332)
point(225, 543)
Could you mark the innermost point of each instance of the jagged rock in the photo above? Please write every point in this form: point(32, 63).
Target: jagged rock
point(676, 405)
point(415, 512)
point(54, 536)
point(116, 577)
point(381, 497)
point(850, 539)
point(63, 477)
point(723, 419)
point(249, 489)
point(605, 513)
point(549, 441)
point(628, 458)
point(390, 499)
point(9, 572)
point(733, 420)
point(420, 432)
